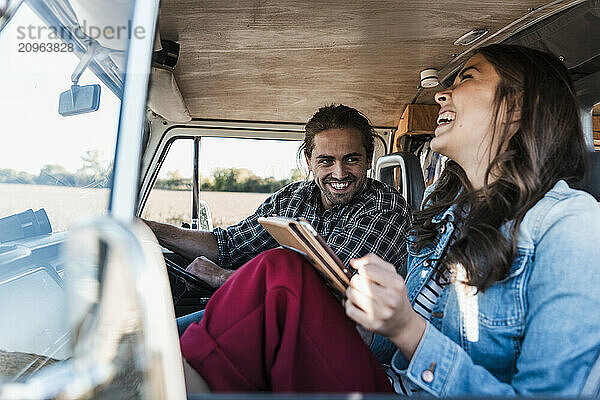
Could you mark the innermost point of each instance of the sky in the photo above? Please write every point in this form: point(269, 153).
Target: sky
point(265, 158)
point(34, 134)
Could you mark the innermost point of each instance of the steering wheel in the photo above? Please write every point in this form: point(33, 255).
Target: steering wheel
point(189, 292)
point(180, 272)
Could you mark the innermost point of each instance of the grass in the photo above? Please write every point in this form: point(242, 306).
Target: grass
point(227, 208)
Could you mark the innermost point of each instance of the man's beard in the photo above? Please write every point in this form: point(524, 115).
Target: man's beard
point(335, 198)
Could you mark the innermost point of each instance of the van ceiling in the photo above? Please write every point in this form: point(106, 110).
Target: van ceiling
point(280, 61)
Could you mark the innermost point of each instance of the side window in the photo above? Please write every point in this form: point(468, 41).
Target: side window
point(236, 176)
point(170, 200)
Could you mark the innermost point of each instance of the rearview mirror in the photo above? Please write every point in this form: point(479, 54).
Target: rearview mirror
point(79, 100)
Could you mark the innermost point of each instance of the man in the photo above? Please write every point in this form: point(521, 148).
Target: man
point(355, 214)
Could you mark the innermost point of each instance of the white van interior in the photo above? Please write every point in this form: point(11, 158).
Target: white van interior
point(247, 70)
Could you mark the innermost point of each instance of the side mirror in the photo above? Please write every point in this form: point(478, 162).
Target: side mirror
point(203, 221)
point(204, 216)
point(79, 100)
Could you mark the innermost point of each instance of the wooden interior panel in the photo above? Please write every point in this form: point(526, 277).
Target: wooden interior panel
point(418, 119)
point(280, 61)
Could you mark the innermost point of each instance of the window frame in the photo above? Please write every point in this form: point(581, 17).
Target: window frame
point(163, 151)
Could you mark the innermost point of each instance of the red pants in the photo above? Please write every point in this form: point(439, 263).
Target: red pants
point(274, 326)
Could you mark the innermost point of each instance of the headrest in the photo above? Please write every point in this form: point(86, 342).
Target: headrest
point(410, 180)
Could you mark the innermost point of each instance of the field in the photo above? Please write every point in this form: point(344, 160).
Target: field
point(226, 207)
point(66, 205)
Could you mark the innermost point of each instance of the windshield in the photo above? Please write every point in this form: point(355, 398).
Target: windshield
point(48, 160)
point(54, 169)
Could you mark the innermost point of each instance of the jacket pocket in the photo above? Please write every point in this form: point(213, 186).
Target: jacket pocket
point(503, 303)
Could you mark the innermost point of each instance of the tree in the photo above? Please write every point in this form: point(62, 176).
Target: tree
point(9, 175)
point(94, 171)
point(298, 174)
point(92, 164)
point(55, 175)
point(244, 180)
point(174, 181)
point(225, 179)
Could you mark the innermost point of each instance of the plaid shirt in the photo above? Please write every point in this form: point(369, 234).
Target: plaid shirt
point(376, 221)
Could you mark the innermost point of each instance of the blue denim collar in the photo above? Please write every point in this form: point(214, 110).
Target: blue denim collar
point(448, 215)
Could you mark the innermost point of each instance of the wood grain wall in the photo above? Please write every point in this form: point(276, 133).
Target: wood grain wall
point(280, 61)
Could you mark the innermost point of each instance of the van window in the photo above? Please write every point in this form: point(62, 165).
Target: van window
point(62, 164)
point(236, 176)
point(53, 171)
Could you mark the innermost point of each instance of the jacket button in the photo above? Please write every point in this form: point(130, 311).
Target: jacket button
point(437, 314)
point(427, 376)
point(426, 263)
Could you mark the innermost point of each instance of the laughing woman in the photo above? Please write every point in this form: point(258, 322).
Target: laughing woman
point(503, 259)
point(500, 297)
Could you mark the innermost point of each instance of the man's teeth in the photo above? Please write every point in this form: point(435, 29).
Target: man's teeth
point(445, 117)
point(340, 186)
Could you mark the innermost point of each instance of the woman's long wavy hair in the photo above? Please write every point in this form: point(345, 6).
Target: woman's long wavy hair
point(535, 90)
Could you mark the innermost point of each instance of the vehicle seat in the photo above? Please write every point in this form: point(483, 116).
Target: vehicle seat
point(410, 177)
point(591, 180)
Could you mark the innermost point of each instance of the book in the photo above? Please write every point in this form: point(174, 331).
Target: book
point(299, 235)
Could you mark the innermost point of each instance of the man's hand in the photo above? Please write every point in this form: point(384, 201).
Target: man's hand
point(208, 271)
point(377, 299)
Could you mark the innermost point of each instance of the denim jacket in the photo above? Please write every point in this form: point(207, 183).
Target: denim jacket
point(535, 332)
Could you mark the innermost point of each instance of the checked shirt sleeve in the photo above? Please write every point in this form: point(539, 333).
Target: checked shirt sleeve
point(243, 241)
point(382, 232)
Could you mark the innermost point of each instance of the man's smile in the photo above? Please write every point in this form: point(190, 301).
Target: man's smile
point(339, 186)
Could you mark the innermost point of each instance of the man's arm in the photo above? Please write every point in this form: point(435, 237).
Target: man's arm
point(229, 247)
point(200, 246)
point(187, 242)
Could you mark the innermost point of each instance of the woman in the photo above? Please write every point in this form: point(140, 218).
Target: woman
point(499, 298)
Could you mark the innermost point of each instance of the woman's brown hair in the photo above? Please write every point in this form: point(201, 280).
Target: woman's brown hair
point(535, 90)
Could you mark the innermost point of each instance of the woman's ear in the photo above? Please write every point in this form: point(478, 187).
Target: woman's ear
point(509, 122)
point(509, 113)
